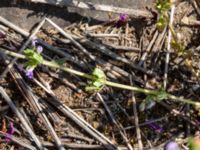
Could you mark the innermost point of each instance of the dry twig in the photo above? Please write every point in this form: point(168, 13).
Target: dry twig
point(169, 45)
point(23, 121)
point(121, 130)
point(140, 144)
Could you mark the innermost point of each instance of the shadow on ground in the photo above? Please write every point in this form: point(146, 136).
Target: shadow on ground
point(26, 14)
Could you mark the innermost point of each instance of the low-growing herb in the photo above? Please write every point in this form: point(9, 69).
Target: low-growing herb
point(98, 82)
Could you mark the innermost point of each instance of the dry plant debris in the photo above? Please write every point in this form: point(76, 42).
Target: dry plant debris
point(70, 88)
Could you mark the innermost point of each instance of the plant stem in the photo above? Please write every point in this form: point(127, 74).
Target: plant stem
point(113, 84)
point(55, 65)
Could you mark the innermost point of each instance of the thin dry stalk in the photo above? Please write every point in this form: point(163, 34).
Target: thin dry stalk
point(79, 121)
point(123, 48)
point(190, 22)
point(64, 54)
point(196, 5)
point(146, 123)
point(20, 142)
point(84, 125)
point(34, 102)
point(22, 111)
point(68, 36)
point(121, 130)
point(139, 138)
point(99, 47)
point(103, 49)
point(148, 48)
point(83, 138)
point(63, 80)
point(55, 118)
point(102, 35)
point(3, 28)
point(4, 108)
point(169, 44)
point(46, 45)
point(14, 27)
point(178, 113)
point(23, 121)
point(80, 146)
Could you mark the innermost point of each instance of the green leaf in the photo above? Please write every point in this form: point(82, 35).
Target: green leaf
point(163, 5)
point(98, 73)
point(162, 22)
point(91, 88)
point(179, 47)
point(161, 94)
point(158, 96)
point(98, 82)
point(33, 58)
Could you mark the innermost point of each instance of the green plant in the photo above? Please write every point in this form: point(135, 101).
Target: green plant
point(33, 58)
point(162, 6)
point(98, 80)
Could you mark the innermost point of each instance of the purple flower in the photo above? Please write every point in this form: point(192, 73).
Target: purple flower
point(29, 73)
point(2, 35)
point(197, 122)
point(122, 19)
point(39, 49)
point(155, 127)
point(9, 132)
point(171, 146)
point(34, 41)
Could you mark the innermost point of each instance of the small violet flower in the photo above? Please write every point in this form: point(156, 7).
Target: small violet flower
point(155, 127)
point(29, 73)
point(122, 19)
point(2, 35)
point(34, 41)
point(197, 122)
point(39, 49)
point(9, 132)
point(171, 146)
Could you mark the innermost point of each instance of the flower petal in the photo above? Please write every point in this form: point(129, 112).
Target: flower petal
point(39, 49)
point(171, 146)
point(29, 73)
point(34, 41)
